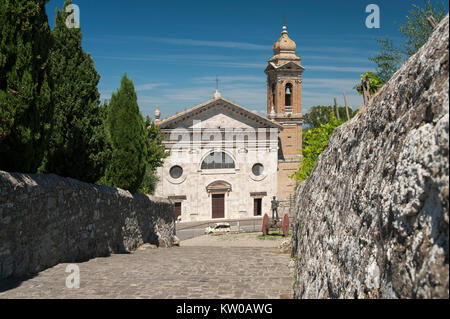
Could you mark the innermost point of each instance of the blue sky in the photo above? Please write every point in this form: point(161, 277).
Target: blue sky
point(173, 50)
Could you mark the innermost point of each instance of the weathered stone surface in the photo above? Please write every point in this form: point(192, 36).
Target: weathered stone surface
point(372, 219)
point(47, 219)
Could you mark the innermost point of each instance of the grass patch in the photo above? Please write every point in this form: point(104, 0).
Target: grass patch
point(268, 237)
point(273, 236)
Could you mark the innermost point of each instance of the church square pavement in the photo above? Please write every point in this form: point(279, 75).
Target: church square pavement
point(227, 266)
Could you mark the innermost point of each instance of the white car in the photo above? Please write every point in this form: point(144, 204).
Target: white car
point(218, 228)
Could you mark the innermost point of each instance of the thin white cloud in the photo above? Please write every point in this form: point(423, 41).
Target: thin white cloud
point(331, 49)
point(168, 57)
point(230, 79)
point(336, 59)
point(237, 65)
point(207, 43)
point(330, 83)
point(148, 86)
point(340, 68)
point(188, 60)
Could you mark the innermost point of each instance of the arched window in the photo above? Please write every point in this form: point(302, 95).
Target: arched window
point(217, 160)
point(273, 94)
point(288, 94)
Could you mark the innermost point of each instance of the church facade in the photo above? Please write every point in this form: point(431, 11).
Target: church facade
point(227, 162)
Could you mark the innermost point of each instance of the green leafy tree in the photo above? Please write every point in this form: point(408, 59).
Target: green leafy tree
point(156, 149)
point(314, 142)
point(155, 156)
point(101, 135)
point(414, 32)
point(370, 84)
point(26, 107)
point(106, 153)
point(388, 60)
point(128, 139)
point(77, 143)
point(149, 181)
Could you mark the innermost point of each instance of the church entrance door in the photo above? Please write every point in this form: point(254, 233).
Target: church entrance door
point(257, 206)
point(218, 205)
point(177, 210)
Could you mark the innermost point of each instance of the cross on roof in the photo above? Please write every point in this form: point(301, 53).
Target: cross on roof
point(217, 83)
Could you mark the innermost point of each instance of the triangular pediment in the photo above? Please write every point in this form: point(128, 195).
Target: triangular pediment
point(286, 66)
point(218, 113)
point(291, 65)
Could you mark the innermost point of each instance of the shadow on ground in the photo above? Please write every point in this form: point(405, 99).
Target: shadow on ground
point(11, 283)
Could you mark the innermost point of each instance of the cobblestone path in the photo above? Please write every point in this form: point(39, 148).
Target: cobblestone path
point(179, 272)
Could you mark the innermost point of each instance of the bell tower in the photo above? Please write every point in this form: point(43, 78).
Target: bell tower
point(284, 96)
point(284, 78)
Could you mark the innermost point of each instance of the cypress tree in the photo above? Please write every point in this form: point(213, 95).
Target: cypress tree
point(77, 141)
point(156, 152)
point(128, 139)
point(156, 149)
point(25, 88)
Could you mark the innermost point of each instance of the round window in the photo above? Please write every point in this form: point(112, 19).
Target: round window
point(257, 169)
point(176, 172)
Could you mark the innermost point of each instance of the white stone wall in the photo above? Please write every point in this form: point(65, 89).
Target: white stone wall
point(238, 202)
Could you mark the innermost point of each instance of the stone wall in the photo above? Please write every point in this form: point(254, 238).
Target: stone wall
point(373, 216)
point(47, 219)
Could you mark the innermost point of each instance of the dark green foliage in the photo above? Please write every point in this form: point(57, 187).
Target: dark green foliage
point(388, 60)
point(26, 107)
point(156, 149)
point(414, 32)
point(101, 134)
point(106, 153)
point(371, 81)
point(76, 147)
point(149, 181)
point(155, 156)
point(318, 115)
point(128, 139)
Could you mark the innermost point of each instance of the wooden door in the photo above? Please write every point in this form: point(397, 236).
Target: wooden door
point(218, 205)
point(177, 210)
